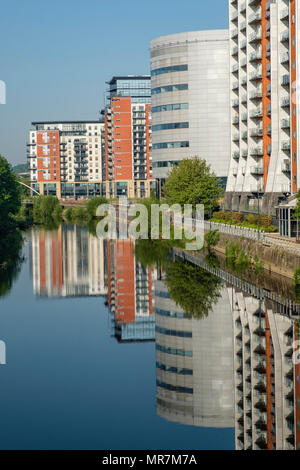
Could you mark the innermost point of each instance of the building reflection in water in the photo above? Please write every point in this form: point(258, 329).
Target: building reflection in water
point(67, 262)
point(231, 368)
point(72, 262)
point(194, 363)
point(267, 388)
point(130, 297)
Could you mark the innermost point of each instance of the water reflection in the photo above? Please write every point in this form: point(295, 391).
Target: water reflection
point(223, 352)
point(68, 262)
point(267, 394)
point(11, 259)
point(130, 297)
point(194, 362)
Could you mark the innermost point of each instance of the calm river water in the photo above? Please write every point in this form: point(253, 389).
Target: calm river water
point(103, 346)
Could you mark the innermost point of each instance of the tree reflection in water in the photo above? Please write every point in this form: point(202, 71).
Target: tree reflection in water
point(194, 289)
point(11, 259)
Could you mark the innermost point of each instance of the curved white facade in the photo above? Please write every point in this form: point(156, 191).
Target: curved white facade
point(190, 91)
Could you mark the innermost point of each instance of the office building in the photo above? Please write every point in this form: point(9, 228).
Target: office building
point(264, 69)
point(190, 101)
point(65, 158)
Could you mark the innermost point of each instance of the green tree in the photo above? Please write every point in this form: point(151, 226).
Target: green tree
point(10, 194)
point(93, 204)
point(192, 182)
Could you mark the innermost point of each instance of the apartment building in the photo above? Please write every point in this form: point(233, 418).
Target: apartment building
point(194, 363)
point(190, 101)
point(264, 68)
point(128, 138)
point(65, 158)
point(267, 390)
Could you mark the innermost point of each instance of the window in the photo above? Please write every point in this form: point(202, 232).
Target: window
point(172, 125)
point(172, 68)
point(170, 107)
point(170, 145)
point(174, 388)
point(176, 352)
point(168, 88)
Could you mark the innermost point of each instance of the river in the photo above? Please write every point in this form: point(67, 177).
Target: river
point(103, 346)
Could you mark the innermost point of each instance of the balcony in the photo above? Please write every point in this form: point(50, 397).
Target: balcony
point(256, 113)
point(256, 151)
point(243, 44)
point(286, 167)
point(285, 102)
point(256, 36)
point(256, 132)
point(284, 15)
point(286, 145)
point(255, 17)
point(285, 36)
point(284, 58)
point(255, 56)
point(256, 170)
point(285, 124)
point(254, 95)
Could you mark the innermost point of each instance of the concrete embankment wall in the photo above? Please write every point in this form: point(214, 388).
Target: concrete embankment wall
point(275, 259)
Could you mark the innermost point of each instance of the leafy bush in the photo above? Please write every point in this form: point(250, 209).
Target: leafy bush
point(238, 217)
point(69, 214)
point(45, 206)
point(80, 213)
point(252, 219)
point(297, 276)
point(266, 220)
point(212, 238)
point(93, 204)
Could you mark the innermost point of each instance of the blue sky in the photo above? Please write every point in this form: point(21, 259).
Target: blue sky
point(56, 56)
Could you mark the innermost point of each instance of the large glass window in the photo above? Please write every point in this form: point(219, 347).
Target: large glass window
point(170, 145)
point(168, 88)
point(169, 107)
point(176, 352)
point(165, 164)
point(174, 388)
point(180, 334)
point(174, 370)
point(172, 68)
point(171, 125)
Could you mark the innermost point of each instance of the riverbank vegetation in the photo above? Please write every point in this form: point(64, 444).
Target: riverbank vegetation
point(245, 220)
